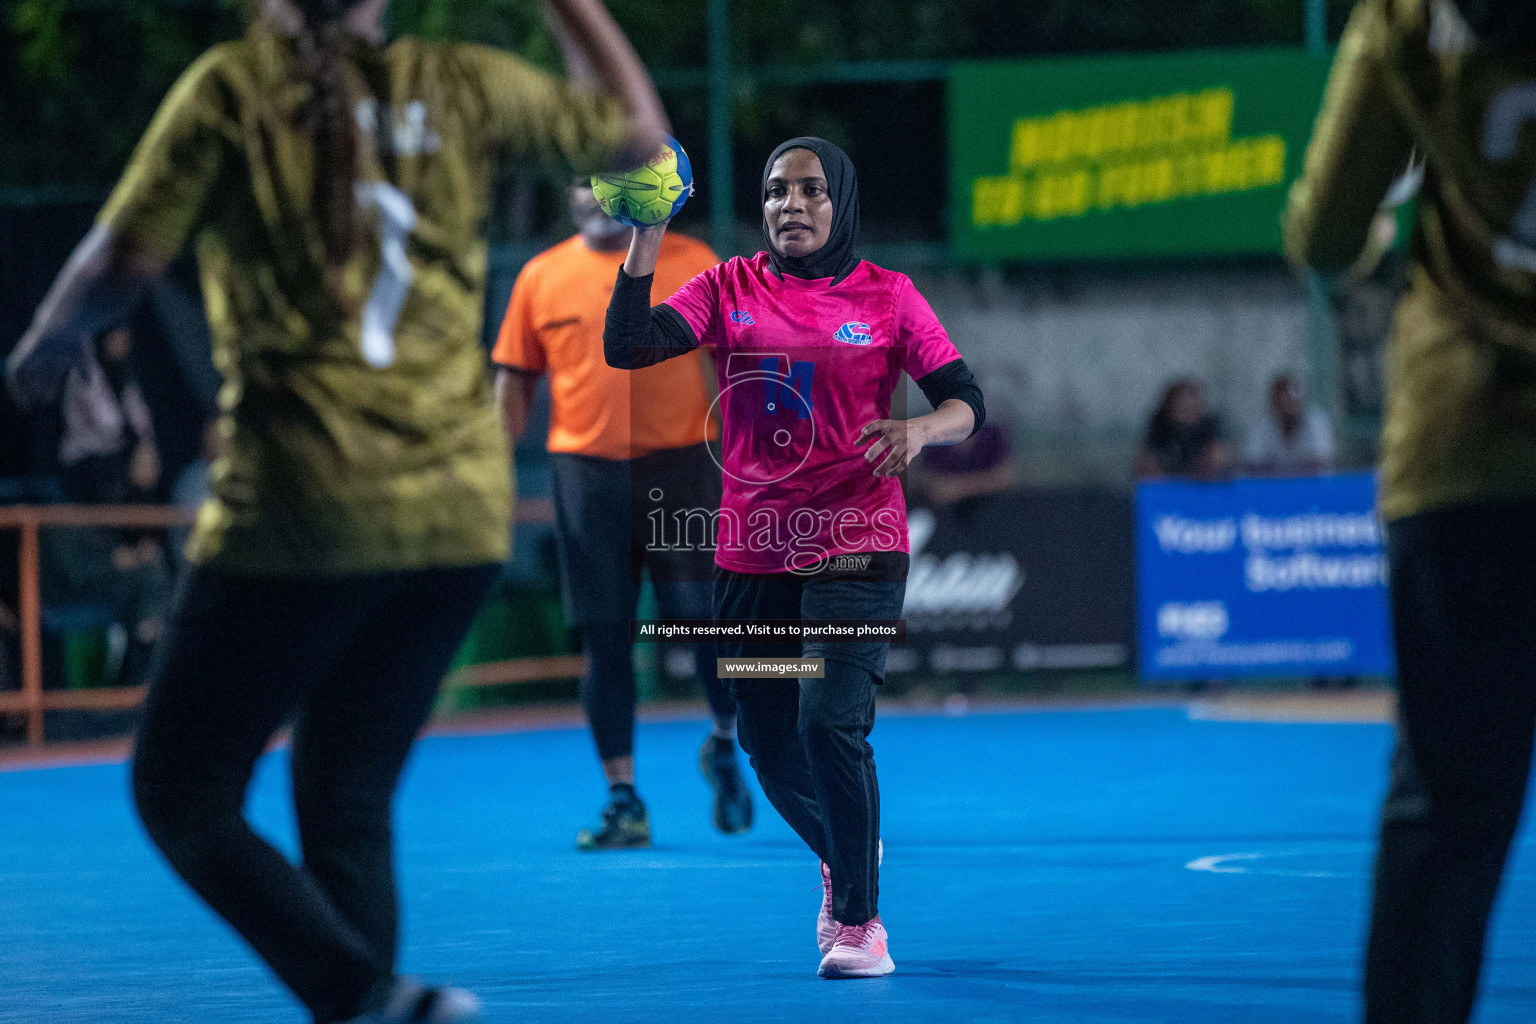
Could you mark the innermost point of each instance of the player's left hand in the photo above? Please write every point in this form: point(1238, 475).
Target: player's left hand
point(897, 443)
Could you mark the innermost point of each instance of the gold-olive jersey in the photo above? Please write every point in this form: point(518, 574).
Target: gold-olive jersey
point(1411, 77)
point(360, 432)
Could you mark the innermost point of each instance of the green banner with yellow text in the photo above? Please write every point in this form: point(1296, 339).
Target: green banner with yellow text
point(1142, 157)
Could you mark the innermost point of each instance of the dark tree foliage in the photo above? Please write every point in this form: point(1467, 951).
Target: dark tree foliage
point(81, 78)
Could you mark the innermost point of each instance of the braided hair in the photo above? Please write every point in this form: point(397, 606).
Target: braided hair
point(322, 42)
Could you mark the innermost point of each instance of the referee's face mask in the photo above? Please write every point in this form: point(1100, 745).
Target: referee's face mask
point(810, 210)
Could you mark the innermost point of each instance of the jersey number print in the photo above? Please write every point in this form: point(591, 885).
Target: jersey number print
point(792, 389)
point(397, 216)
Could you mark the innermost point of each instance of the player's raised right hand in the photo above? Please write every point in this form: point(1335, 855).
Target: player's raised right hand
point(644, 249)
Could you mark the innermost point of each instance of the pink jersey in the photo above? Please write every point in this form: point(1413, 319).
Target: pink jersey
point(803, 366)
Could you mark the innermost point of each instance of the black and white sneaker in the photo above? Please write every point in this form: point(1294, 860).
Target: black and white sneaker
point(626, 823)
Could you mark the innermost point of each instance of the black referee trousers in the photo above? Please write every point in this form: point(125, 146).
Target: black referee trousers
point(1464, 615)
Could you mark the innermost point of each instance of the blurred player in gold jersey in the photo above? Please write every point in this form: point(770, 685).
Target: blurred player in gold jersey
point(333, 186)
point(1455, 83)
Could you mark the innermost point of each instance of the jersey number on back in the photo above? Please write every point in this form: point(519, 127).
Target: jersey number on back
point(1506, 115)
point(387, 297)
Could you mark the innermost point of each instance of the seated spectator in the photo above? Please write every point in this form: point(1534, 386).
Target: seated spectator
point(107, 449)
point(981, 464)
point(107, 455)
point(1295, 439)
point(1184, 438)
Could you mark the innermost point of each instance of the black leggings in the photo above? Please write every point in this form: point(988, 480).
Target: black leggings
point(809, 744)
point(608, 692)
point(1464, 615)
point(354, 663)
point(809, 738)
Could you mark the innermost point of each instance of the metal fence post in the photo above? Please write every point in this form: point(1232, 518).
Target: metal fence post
point(30, 601)
point(722, 218)
point(1323, 347)
point(1317, 27)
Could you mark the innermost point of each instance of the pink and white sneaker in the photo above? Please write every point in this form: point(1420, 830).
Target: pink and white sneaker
point(826, 924)
point(859, 951)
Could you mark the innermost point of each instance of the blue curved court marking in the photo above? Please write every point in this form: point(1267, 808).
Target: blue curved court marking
point(1035, 870)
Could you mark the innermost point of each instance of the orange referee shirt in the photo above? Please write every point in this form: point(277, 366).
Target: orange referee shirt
point(555, 323)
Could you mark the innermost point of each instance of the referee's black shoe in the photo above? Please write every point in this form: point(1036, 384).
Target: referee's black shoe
point(733, 802)
point(626, 823)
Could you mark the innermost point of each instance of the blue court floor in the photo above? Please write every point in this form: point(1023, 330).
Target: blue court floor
point(1053, 866)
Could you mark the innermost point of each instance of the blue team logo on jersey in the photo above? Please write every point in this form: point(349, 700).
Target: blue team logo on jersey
point(740, 316)
point(853, 333)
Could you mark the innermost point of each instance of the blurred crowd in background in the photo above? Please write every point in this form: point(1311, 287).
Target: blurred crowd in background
point(1099, 373)
point(117, 438)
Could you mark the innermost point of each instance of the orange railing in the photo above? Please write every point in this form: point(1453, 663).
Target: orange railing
point(33, 701)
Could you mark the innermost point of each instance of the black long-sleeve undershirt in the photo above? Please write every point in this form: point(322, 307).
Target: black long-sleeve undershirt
point(954, 380)
point(637, 334)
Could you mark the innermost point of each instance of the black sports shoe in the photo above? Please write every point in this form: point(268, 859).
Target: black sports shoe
point(626, 824)
point(733, 802)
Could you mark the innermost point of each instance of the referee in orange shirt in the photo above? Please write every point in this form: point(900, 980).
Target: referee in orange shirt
point(620, 442)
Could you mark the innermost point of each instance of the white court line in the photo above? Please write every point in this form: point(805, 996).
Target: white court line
point(1219, 865)
point(1216, 865)
point(1246, 863)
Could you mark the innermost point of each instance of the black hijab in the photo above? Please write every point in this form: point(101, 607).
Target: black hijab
point(835, 259)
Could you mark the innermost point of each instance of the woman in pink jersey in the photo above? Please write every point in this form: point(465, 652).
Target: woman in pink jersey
point(809, 344)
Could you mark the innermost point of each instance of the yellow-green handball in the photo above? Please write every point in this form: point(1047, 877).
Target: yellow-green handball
point(647, 195)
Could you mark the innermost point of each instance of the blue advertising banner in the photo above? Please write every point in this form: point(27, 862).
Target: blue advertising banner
point(1261, 578)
